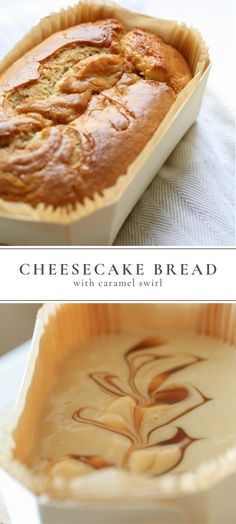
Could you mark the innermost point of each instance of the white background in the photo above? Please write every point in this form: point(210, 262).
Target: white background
point(221, 286)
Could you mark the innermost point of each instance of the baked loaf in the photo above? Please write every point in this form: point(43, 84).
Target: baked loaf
point(76, 110)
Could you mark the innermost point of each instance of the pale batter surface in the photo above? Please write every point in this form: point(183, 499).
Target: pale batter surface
point(146, 404)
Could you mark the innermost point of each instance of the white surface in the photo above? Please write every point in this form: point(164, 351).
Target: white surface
point(11, 371)
point(191, 202)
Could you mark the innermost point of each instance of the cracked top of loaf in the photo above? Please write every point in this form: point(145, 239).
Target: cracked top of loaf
point(76, 110)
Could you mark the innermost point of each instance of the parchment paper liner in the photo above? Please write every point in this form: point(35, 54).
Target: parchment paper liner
point(59, 329)
point(187, 40)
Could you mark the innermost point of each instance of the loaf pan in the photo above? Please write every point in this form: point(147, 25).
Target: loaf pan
point(98, 220)
point(200, 496)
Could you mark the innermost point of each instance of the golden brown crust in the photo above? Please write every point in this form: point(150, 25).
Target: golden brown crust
point(74, 112)
point(99, 34)
point(156, 59)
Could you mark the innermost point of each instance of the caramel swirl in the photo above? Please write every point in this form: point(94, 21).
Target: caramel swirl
point(151, 408)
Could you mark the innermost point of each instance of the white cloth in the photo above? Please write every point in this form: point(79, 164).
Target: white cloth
point(191, 200)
